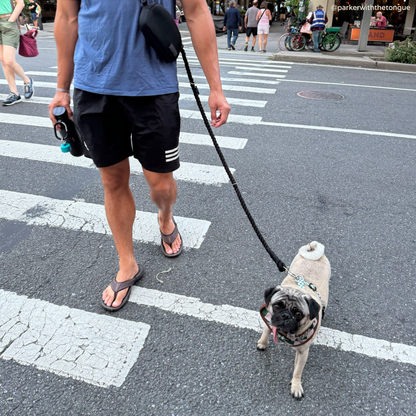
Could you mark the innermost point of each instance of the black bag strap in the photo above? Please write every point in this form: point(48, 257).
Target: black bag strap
point(258, 21)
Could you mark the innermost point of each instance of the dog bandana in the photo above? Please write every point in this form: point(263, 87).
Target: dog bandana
point(292, 340)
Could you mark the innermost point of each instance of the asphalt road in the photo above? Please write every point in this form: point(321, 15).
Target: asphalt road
point(341, 172)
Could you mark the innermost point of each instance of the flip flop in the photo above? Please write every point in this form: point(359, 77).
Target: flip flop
point(169, 239)
point(118, 286)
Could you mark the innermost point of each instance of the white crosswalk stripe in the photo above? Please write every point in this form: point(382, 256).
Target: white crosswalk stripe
point(189, 172)
point(82, 216)
point(96, 349)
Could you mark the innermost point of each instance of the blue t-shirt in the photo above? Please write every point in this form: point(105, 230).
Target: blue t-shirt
point(111, 55)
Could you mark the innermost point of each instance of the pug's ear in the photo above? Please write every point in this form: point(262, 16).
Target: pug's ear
point(314, 306)
point(268, 294)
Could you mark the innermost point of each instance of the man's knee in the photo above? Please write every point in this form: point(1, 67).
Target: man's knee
point(115, 178)
point(164, 186)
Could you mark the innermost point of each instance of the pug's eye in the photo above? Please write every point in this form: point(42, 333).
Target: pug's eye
point(276, 307)
point(298, 315)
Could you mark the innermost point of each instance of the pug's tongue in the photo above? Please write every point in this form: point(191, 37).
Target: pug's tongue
point(275, 337)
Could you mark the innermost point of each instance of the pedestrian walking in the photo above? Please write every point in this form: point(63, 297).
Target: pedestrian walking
point(282, 14)
point(250, 23)
point(34, 9)
point(126, 104)
point(263, 18)
point(318, 21)
point(232, 24)
point(9, 41)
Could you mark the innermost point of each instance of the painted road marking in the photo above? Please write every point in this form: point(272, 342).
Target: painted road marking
point(205, 140)
point(239, 80)
point(248, 319)
point(351, 67)
point(341, 84)
point(37, 84)
point(96, 349)
point(247, 65)
point(251, 74)
point(237, 88)
point(82, 216)
point(234, 101)
point(188, 172)
point(34, 100)
point(251, 120)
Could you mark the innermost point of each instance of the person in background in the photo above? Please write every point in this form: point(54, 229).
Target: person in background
point(381, 21)
point(250, 22)
point(232, 24)
point(318, 21)
point(34, 8)
point(263, 17)
point(282, 14)
point(9, 41)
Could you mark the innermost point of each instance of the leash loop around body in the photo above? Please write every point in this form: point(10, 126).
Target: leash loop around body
point(281, 266)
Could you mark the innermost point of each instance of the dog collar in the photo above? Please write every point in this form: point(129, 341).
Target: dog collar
point(293, 340)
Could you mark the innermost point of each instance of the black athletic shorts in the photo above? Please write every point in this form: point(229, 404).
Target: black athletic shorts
point(115, 128)
point(251, 31)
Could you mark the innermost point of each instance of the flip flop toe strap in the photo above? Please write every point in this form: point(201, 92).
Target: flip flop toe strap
point(169, 239)
point(118, 286)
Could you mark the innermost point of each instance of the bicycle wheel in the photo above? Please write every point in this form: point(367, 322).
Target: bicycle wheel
point(331, 44)
point(309, 42)
point(287, 43)
point(297, 42)
point(281, 42)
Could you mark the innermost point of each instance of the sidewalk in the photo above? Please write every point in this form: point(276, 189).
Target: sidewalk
point(346, 55)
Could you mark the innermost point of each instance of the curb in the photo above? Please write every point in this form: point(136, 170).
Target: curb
point(361, 62)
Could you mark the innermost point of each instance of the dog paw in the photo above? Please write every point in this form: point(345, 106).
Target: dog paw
point(297, 391)
point(261, 347)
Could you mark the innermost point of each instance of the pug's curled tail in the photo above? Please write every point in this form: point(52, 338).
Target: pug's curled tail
point(312, 251)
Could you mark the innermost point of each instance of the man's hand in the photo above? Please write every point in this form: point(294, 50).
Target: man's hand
point(239, 28)
point(219, 109)
point(224, 28)
point(61, 99)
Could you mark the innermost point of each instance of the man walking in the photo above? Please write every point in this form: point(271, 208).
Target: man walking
point(232, 23)
point(250, 23)
point(318, 21)
point(126, 104)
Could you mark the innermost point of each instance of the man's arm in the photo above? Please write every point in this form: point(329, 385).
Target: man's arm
point(66, 36)
point(201, 26)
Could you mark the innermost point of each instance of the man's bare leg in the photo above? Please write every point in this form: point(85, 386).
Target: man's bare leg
point(121, 211)
point(254, 41)
point(163, 193)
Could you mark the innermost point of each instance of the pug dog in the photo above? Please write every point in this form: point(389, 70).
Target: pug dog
point(293, 311)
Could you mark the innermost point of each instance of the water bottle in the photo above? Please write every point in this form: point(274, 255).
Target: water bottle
point(68, 134)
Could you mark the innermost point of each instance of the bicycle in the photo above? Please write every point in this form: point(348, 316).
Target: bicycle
point(282, 43)
point(331, 39)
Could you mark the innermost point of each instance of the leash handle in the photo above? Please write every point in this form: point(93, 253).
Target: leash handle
point(281, 266)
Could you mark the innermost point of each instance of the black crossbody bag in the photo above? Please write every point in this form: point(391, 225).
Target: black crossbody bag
point(162, 34)
point(160, 30)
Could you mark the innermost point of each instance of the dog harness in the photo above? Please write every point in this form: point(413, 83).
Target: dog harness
point(292, 340)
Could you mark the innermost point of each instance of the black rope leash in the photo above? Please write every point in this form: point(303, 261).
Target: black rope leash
point(281, 266)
